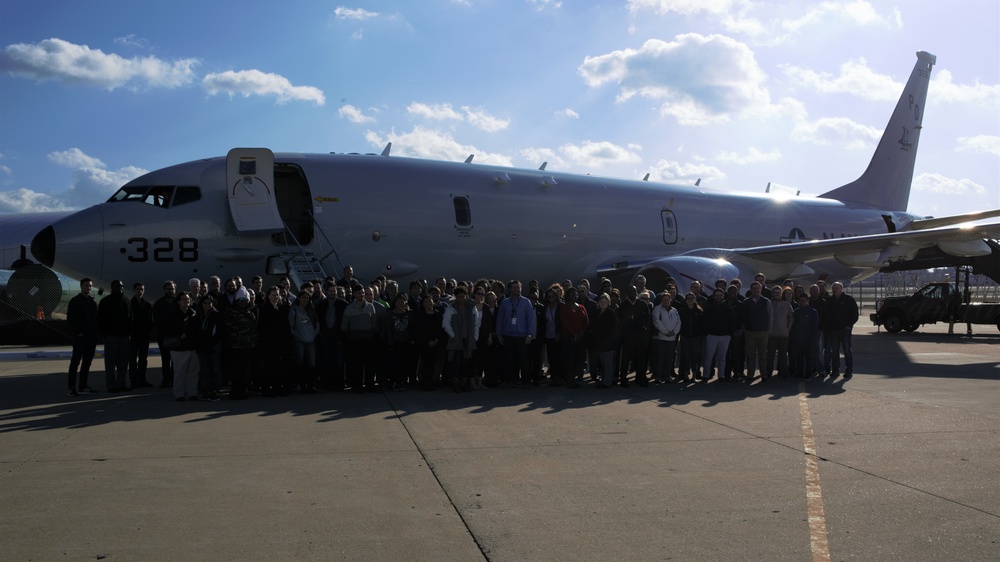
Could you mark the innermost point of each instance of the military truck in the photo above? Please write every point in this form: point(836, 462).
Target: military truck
point(935, 302)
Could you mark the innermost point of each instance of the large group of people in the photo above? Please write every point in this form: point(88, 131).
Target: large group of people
point(340, 334)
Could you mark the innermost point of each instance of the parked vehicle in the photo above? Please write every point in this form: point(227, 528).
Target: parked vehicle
point(936, 302)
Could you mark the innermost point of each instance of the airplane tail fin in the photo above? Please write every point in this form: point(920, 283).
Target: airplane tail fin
point(886, 183)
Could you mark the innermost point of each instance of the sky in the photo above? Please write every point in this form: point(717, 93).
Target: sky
point(736, 93)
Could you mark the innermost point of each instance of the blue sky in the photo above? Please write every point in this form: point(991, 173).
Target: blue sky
point(736, 93)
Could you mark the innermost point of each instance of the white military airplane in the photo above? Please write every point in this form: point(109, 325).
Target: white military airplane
point(307, 214)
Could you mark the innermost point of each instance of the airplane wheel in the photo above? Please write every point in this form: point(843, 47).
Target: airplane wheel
point(911, 327)
point(893, 322)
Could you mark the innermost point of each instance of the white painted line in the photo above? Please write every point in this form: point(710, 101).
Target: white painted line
point(818, 540)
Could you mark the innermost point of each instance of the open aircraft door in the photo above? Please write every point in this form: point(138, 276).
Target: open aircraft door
point(250, 183)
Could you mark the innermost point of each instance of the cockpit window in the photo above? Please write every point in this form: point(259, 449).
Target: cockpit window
point(129, 194)
point(158, 195)
point(186, 194)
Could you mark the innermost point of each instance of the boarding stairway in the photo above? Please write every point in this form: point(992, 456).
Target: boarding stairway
point(304, 265)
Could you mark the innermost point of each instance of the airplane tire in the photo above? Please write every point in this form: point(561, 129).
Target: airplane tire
point(893, 322)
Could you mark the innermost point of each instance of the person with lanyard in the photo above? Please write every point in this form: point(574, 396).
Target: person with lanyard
point(515, 330)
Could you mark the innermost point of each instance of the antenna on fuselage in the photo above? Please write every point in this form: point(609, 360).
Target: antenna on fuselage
point(469, 159)
point(646, 178)
point(388, 147)
point(697, 183)
point(542, 167)
point(768, 188)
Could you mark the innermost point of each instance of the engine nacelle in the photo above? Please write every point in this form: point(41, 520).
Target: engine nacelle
point(685, 269)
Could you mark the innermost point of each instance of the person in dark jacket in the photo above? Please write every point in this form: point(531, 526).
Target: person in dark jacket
point(757, 324)
point(720, 323)
point(81, 315)
point(274, 338)
point(737, 353)
point(842, 314)
point(184, 352)
point(692, 339)
point(604, 338)
point(240, 342)
point(399, 337)
point(802, 339)
point(114, 320)
point(431, 341)
point(164, 314)
point(486, 352)
point(330, 349)
point(209, 350)
point(142, 331)
point(634, 324)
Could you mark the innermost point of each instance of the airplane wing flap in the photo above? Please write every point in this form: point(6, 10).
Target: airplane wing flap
point(879, 248)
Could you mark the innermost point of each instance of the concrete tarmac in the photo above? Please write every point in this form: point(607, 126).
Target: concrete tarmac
point(900, 463)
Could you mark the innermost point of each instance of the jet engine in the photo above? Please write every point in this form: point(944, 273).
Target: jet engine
point(685, 269)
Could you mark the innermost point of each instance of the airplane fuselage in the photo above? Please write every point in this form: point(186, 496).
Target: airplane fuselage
point(410, 218)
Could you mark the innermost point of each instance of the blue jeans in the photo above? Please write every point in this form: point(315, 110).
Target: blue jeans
point(835, 341)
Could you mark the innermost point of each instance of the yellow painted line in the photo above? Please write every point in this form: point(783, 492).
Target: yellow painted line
point(818, 540)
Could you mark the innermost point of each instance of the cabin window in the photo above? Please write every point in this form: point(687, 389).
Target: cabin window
point(669, 227)
point(463, 213)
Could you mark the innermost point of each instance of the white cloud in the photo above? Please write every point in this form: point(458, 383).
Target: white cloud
point(27, 201)
point(857, 12)
point(982, 144)
point(435, 145)
point(736, 16)
point(478, 118)
point(541, 5)
point(676, 172)
point(62, 61)
point(732, 14)
point(751, 156)
point(698, 79)
point(536, 156)
point(254, 82)
point(75, 158)
point(475, 116)
point(354, 115)
point(943, 89)
point(836, 131)
point(589, 155)
point(855, 78)
point(131, 40)
point(92, 183)
point(592, 154)
point(937, 183)
point(357, 14)
point(569, 113)
point(438, 112)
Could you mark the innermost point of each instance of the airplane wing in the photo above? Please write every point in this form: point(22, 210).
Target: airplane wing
point(876, 250)
point(944, 221)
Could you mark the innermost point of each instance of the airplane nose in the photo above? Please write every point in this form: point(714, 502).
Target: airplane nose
point(43, 246)
point(73, 245)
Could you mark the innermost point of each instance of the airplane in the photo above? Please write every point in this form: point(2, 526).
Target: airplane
point(255, 211)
